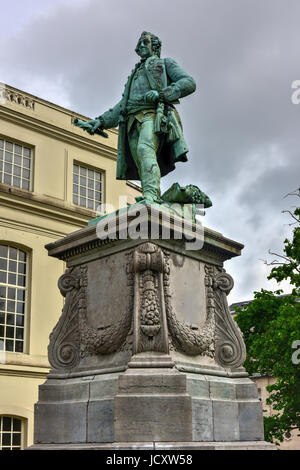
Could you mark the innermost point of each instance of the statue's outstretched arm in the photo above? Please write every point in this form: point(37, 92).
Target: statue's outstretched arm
point(107, 120)
point(111, 117)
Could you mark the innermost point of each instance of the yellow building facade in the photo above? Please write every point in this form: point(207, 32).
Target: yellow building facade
point(53, 176)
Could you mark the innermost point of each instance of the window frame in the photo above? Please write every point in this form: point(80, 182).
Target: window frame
point(22, 432)
point(87, 166)
point(27, 290)
point(32, 164)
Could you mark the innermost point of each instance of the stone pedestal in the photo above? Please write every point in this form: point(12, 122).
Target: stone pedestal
point(146, 353)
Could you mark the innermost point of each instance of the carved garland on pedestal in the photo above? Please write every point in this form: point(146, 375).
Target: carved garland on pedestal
point(184, 338)
point(73, 337)
point(111, 338)
point(220, 336)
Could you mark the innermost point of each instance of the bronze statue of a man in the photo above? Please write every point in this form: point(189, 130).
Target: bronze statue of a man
point(150, 131)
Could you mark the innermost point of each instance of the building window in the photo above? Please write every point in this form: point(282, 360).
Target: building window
point(87, 187)
point(15, 164)
point(12, 298)
point(10, 433)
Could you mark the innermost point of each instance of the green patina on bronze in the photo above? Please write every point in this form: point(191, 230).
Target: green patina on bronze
point(150, 140)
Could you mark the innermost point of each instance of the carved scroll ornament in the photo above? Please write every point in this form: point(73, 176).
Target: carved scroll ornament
point(230, 346)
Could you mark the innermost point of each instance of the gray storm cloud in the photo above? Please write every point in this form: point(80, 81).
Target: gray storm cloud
point(241, 126)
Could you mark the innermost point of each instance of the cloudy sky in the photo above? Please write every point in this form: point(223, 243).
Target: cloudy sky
point(241, 126)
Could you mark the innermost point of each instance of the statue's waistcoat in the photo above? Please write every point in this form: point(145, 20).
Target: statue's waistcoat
point(156, 73)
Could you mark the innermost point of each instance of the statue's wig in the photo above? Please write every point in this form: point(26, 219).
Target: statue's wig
point(155, 41)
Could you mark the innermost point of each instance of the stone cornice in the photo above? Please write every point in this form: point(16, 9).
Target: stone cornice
point(86, 239)
point(34, 374)
point(43, 206)
point(7, 89)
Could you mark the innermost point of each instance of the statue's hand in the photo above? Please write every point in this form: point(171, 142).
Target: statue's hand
point(94, 124)
point(151, 96)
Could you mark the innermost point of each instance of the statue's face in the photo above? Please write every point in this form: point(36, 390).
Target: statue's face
point(144, 47)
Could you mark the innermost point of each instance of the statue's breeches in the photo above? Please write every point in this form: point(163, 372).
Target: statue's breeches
point(144, 144)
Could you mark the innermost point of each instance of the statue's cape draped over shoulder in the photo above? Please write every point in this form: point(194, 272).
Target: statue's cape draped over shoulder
point(167, 77)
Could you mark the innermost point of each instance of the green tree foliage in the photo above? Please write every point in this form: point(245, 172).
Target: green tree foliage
point(271, 328)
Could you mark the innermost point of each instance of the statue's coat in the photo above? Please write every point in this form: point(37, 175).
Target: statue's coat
point(167, 77)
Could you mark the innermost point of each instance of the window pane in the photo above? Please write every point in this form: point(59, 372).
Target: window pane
point(26, 163)
point(20, 307)
point(3, 251)
point(21, 280)
point(22, 268)
point(18, 160)
point(13, 253)
point(11, 306)
point(6, 439)
point(19, 333)
point(12, 266)
point(6, 423)
point(10, 319)
point(3, 264)
point(16, 439)
point(10, 332)
point(8, 145)
point(26, 173)
point(8, 168)
point(25, 185)
point(20, 294)
point(17, 170)
point(18, 149)
point(12, 278)
point(22, 256)
point(7, 179)
point(19, 346)
point(9, 345)
point(11, 293)
point(16, 424)
point(20, 320)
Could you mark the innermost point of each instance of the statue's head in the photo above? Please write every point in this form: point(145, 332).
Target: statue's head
point(148, 45)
